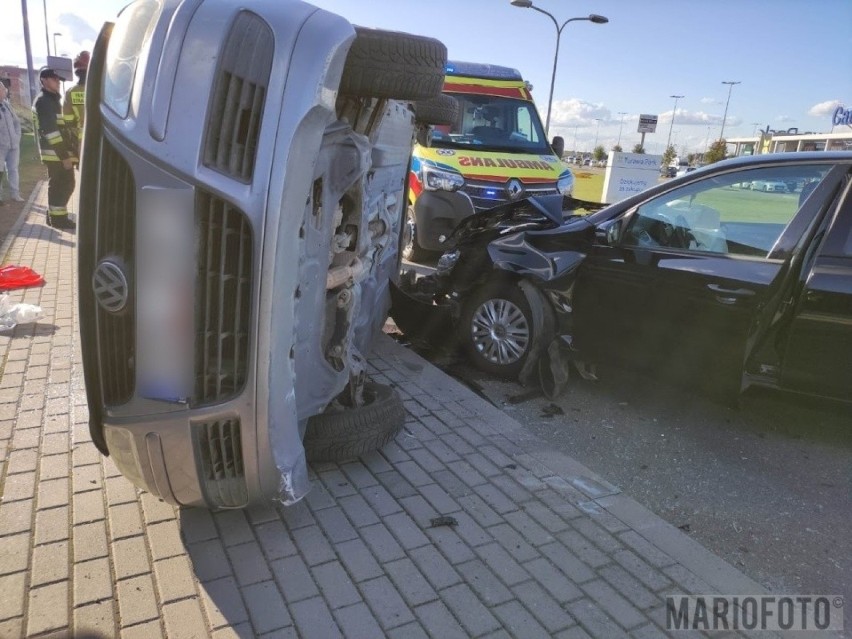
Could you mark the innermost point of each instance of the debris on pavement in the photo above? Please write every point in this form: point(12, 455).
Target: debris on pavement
point(12, 276)
point(552, 410)
point(13, 314)
point(443, 520)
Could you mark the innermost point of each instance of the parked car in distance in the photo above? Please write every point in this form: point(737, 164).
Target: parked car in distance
point(695, 280)
point(769, 186)
point(684, 170)
point(668, 171)
point(588, 162)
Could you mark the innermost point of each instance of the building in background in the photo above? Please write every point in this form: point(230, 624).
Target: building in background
point(772, 141)
point(19, 88)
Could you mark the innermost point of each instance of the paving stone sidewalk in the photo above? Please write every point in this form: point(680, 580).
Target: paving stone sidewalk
point(542, 547)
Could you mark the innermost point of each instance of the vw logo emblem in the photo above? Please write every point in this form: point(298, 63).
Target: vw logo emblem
point(110, 286)
point(515, 189)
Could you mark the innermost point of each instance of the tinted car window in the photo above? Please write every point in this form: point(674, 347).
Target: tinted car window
point(742, 213)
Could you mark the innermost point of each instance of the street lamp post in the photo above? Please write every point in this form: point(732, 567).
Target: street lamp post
point(725, 117)
point(620, 126)
point(754, 130)
point(46, 30)
point(598, 128)
point(55, 49)
point(592, 17)
point(671, 124)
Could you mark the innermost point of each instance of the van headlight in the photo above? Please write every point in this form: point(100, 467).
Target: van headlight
point(439, 180)
point(565, 184)
point(130, 35)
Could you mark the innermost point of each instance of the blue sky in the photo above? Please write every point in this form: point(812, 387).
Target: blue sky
point(792, 57)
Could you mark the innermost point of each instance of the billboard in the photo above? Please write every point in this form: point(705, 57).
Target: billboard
point(647, 123)
point(628, 174)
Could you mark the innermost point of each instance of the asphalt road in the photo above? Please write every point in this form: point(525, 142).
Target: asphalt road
point(766, 485)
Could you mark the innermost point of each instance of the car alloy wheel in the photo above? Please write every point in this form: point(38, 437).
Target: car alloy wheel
point(500, 332)
point(497, 326)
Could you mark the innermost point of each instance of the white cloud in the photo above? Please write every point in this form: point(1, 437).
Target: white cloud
point(577, 113)
point(77, 28)
point(77, 35)
point(783, 118)
point(575, 120)
point(710, 101)
point(824, 109)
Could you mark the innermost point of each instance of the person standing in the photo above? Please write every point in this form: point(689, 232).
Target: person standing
point(56, 149)
point(10, 146)
point(74, 104)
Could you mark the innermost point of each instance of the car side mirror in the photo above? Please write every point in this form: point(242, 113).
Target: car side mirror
point(558, 146)
point(608, 233)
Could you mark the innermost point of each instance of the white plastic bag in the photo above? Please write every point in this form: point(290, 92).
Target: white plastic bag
point(13, 314)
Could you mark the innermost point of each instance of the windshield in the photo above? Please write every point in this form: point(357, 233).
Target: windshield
point(493, 123)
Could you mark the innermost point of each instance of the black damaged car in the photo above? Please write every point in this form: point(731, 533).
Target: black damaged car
point(698, 280)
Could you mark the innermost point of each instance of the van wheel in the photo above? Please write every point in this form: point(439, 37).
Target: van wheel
point(339, 435)
point(442, 109)
point(497, 328)
point(393, 65)
point(411, 250)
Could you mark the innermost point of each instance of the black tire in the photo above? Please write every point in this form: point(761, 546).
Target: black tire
point(393, 65)
point(411, 250)
point(442, 109)
point(341, 435)
point(499, 303)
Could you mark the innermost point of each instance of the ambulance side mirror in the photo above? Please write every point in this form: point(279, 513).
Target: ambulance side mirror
point(558, 146)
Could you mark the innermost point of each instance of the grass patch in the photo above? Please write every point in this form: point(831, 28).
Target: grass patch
point(742, 205)
point(588, 185)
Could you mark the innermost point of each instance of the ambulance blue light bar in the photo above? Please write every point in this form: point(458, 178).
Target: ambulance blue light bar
point(478, 70)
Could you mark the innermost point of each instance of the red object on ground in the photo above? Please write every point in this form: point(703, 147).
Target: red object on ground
point(18, 277)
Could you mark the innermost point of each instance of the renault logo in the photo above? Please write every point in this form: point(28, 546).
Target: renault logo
point(515, 189)
point(110, 286)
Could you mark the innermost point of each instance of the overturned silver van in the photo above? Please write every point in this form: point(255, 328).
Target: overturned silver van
point(242, 195)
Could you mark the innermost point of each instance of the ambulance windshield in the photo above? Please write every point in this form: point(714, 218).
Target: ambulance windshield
point(493, 123)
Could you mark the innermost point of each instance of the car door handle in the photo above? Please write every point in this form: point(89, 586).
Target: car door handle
point(729, 296)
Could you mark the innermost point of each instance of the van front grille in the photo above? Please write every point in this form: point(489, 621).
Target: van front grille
point(236, 107)
point(114, 241)
point(487, 195)
point(223, 298)
point(219, 451)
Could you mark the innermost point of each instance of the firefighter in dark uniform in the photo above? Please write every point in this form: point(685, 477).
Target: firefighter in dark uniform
point(55, 145)
point(74, 104)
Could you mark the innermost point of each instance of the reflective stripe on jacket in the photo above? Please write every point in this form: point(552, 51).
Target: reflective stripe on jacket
point(74, 110)
point(54, 142)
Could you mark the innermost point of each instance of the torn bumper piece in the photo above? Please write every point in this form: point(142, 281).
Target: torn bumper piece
point(420, 320)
